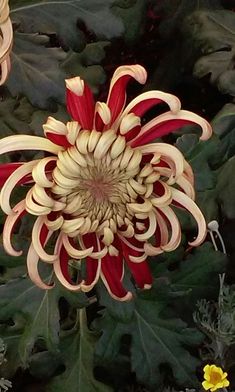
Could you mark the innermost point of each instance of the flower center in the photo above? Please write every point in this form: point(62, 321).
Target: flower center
point(215, 378)
point(96, 179)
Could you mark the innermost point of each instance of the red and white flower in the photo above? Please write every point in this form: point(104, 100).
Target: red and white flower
point(105, 188)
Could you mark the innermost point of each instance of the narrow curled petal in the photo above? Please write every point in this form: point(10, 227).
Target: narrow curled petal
point(167, 152)
point(117, 92)
point(144, 102)
point(6, 42)
point(32, 265)
point(80, 102)
point(39, 233)
point(26, 142)
point(102, 116)
point(189, 204)
point(15, 178)
point(168, 122)
point(61, 266)
point(11, 220)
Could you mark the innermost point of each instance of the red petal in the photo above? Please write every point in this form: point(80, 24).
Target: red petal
point(6, 169)
point(142, 107)
point(140, 271)
point(91, 270)
point(132, 133)
point(81, 108)
point(112, 271)
point(159, 130)
point(117, 93)
point(117, 97)
point(90, 240)
point(43, 234)
point(60, 140)
point(64, 263)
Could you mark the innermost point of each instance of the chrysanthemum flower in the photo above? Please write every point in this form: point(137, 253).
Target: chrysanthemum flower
point(6, 38)
point(215, 378)
point(103, 188)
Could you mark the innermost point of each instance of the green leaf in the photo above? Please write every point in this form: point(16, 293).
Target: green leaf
point(36, 71)
point(132, 13)
point(156, 339)
point(214, 34)
point(198, 273)
point(77, 350)
point(87, 64)
point(61, 16)
point(199, 154)
point(226, 188)
point(224, 126)
point(40, 310)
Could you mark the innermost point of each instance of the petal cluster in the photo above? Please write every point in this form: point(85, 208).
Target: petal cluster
point(215, 378)
point(6, 39)
point(107, 187)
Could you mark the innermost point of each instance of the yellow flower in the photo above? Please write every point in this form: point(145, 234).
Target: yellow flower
point(215, 378)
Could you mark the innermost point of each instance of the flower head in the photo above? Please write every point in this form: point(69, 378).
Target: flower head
point(105, 188)
point(215, 378)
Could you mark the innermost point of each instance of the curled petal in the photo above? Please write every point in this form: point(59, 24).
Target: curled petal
point(102, 116)
point(34, 208)
point(151, 230)
point(166, 196)
point(167, 151)
point(40, 174)
point(6, 44)
point(117, 92)
point(15, 178)
point(141, 207)
point(175, 229)
point(133, 250)
point(56, 131)
point(80, 102)
point(73, 128)
point(147, 100)
point(61, 267)
point(168, 122)
point(93, 269)
point(26, 142)
point(106, 140)
point(89, 240)
point(189, 204)
point(129, 122)
point(54, 126)
point(11, 220)
point(74, 252)
point(32, 265)
point(39, 233)
point(5, 70)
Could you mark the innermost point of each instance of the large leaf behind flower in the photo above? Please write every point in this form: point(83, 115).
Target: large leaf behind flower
point(156, 339)
point(36, 70)
point(61, 16)
point(77, 348)
point(39, 313)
